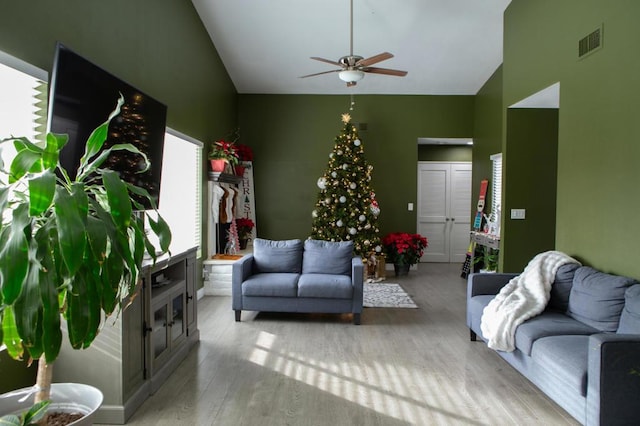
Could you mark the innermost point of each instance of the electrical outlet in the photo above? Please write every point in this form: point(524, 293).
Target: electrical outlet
point(410, 207)
point(518, 214)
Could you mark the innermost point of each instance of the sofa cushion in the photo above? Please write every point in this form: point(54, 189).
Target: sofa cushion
point(277, 256)
point(630, 318)
point(597, 298)
point(328, 286)
point(272, 284)
point(548, 324)
point(327, 257)
point(565, 358)
point(475, 307)
point(561, 288)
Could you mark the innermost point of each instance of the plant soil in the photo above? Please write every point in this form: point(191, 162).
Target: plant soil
point(62, 419)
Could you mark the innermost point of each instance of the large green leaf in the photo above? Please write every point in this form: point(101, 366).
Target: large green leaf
point(51, 154)
point(161, 228)
point(42, 187)
point(10, 337)
point(14, 255)
point(27, 309)
point(71, 230)
point(98, 136)
point(112, 272)
point(10, 420)
point(97, 162)
point(51, 333)
point(118, 197)
point(36, 412)
point(97, 237)
point(77, 314)
point(23, 163)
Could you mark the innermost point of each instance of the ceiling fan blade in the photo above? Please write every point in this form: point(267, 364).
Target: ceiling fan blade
point(319, 73)
point(328, 61)
point(386, 71)
point(374, 59)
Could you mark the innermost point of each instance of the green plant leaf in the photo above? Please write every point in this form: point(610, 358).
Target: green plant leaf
point(14, 255)
point(27, 309)
point(96, 139)
point(10, 420)
point(97, 237)
point(97, 162)
point(162, 230)
point(51, 154)
point(118, 198)
point(71, 230)
point(10, 334)
point(113, 269)
point(42, 187)
point(28, 155)
point(77, 314)
point(36, 412)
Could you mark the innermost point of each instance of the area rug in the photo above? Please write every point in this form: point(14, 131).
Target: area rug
point(387, 295)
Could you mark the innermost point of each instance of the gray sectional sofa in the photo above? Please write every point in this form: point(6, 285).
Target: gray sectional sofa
point(583, 351)
point(292, 276)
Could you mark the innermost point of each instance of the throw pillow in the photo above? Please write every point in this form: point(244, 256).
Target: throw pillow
point(597, 298)
point(561, 288)
point(327, 257)
point(277, 256)
point(630, 318)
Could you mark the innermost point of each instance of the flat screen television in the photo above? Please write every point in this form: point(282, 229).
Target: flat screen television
point(82, 95)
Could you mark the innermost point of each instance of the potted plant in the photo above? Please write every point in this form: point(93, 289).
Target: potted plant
point(244, 226)
point(221, 154)
point(71, 249)
point(245, 155)
point(486, 259)
point(403, 250)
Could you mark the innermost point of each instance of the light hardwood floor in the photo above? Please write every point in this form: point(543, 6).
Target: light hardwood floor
point(400, 367)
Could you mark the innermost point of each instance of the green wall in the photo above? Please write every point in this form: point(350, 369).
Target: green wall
point(292, 136)
point(598, 149)
point(160, 47)
point(530, 164)
point(445, 153)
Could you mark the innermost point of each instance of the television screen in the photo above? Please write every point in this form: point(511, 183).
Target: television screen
point(82, 95)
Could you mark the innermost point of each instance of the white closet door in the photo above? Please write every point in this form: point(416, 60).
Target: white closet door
point(444, 200)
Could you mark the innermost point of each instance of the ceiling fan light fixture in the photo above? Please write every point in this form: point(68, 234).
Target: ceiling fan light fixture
point(350, 76)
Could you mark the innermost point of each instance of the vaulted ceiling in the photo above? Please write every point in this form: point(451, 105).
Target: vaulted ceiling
point(448, 47)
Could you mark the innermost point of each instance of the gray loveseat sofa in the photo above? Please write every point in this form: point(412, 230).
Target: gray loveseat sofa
point(583, 351)
point(292, 276)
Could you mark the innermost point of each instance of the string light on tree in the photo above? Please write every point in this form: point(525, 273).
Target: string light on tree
point(346, 209)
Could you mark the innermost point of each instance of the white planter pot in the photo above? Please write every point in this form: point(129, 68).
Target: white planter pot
point(65, 397)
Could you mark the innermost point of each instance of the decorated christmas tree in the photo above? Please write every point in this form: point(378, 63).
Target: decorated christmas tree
point(346, 209)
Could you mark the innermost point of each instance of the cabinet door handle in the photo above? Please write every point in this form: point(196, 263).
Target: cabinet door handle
point(447, 219)
point(453, 219)
point(189, 297)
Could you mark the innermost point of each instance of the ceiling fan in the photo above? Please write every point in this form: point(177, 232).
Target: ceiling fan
point(353, 67)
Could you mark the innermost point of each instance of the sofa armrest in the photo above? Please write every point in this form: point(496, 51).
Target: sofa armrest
point(240, 271)
point(357, 280)
point(613, 379)
point(478, 284)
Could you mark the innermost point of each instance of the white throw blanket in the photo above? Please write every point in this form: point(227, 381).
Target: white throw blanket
point(523, 297)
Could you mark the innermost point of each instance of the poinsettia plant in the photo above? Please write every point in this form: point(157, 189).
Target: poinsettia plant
point(244, 226)
point(245, 153)
point(223, 150)
point(403, 248)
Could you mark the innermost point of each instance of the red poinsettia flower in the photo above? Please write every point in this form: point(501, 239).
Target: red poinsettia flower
point(404, 248)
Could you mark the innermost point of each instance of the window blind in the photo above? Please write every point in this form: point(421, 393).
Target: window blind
point(496, 184)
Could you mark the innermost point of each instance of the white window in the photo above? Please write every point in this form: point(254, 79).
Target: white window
point(23, 102)
point(496, 185)
point(181, 189)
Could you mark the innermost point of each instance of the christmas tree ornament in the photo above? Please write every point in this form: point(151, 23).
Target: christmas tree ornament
point(345, 166)
point(339, 223)
point(353, 185)
point(314, 213)
point(334, 174)
point(378, 249)
point(357, 142)
point(353, 231)
point(343, 199)
point(322, 183)
point(362, 218)
point(327, 200)
point(339, 152)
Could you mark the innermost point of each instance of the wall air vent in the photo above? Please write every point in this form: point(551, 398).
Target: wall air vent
point(590, 43)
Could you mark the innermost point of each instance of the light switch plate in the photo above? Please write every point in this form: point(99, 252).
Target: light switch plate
point(410, 207)
point(518, 214)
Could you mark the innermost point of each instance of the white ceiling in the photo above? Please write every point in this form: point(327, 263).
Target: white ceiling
point(448, 47)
